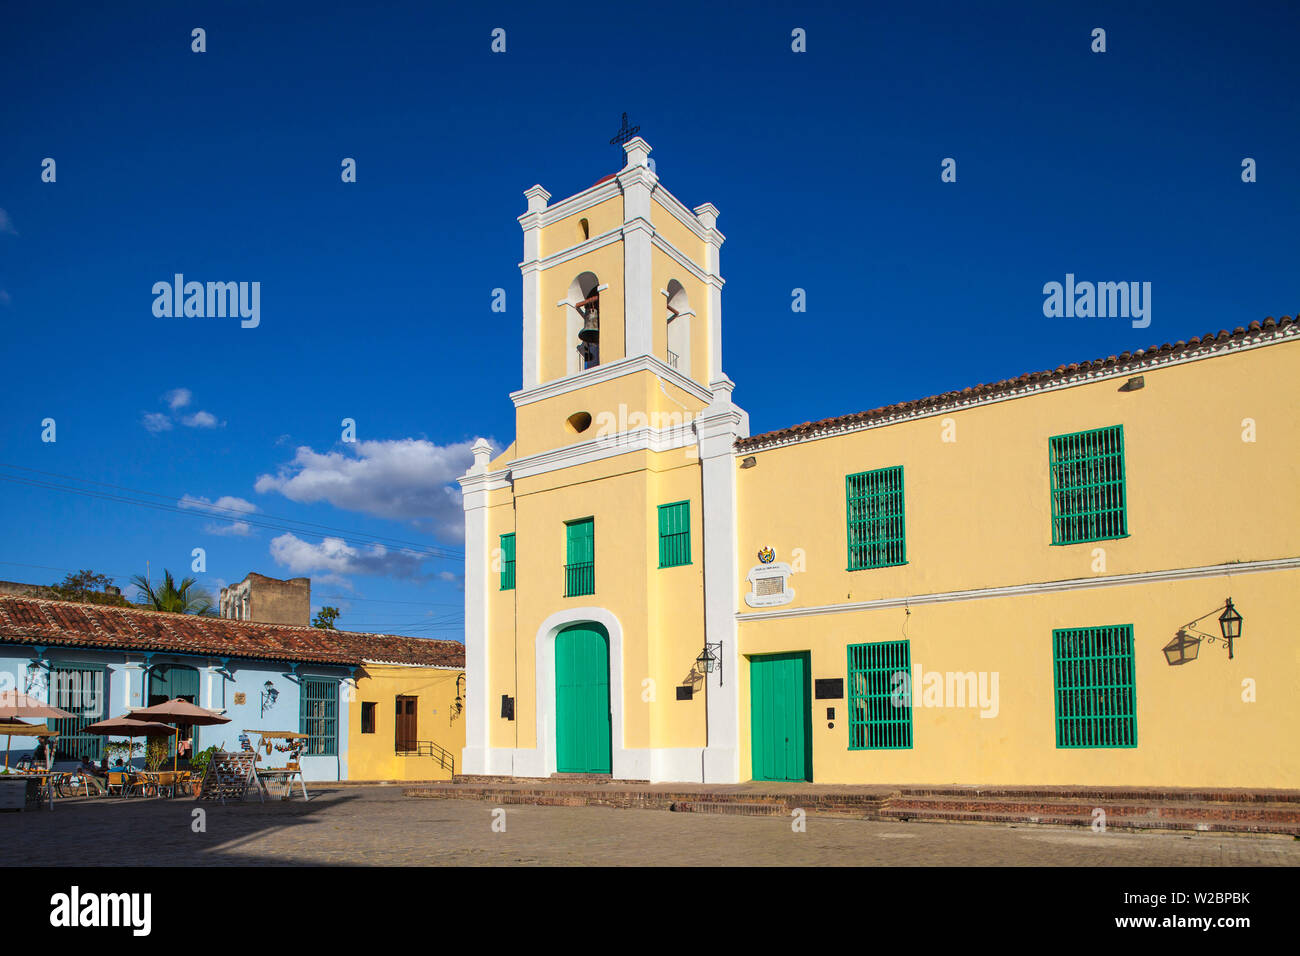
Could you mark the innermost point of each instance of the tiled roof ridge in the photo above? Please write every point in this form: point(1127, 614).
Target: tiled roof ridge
point(1111, 363)
point(332, 645)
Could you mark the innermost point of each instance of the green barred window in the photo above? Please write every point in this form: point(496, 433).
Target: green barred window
point(1095, 688)
point(1088, 495)
point(81, 690)
point(580, 557)
point(674, 534)
point(875, 518)
point(318, 710)
point(880, 696)
point(508, 562)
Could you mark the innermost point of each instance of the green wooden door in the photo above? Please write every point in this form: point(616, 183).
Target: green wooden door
point(780, 728)
point(582, 724)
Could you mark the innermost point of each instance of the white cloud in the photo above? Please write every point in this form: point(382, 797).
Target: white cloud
point(239, 529)
point(200, 420)
point(157, 422)
point(178, 398)
point(222, 507)
point(7, 224)
point(224, 503)
point(5, 297)
point(336, 556)
point(408, 479)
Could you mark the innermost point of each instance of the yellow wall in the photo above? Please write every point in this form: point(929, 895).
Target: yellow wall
point(373, 756)
point(1193, 727)
point(978, 515)
point(660, 609)
point(978, 510)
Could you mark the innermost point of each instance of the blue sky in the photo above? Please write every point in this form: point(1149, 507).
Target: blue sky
point(375, 295)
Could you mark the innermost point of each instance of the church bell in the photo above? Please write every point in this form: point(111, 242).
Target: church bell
point(590, 312)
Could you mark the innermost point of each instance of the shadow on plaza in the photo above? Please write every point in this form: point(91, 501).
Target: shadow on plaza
point(107, 831)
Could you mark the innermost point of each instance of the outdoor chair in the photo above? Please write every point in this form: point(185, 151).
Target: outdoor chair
point(122, 783)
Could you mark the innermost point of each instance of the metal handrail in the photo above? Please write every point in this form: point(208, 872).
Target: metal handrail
point(430, 748)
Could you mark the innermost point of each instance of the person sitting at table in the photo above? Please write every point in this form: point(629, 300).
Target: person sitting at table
point(88, 773)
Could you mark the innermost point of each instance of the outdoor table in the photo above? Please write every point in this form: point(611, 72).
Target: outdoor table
point(284, 777)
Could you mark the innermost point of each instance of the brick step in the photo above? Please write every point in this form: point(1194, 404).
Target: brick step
point(734, 808)
point(1081, 821)
point(855, 804)
point(1221, 812)
point(1120, 794)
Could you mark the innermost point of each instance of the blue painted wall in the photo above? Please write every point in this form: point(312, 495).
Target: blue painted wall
point(21, 668)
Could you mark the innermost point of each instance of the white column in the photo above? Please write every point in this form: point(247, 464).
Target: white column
point(708, 217)
point(638, 183)
point(718, 427)
point(531, 222)
point(474, 488)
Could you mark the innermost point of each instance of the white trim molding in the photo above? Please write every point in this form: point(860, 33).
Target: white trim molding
point(626, 764)
point(607, 373)
point(1041, 587)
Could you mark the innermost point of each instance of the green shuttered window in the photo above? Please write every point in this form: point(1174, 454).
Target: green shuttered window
point(1095, 687)
point(580, 557)
point(1088, 494)
point(875, 518)
point(507, 562)
point(674, 534)
point(318, 709)
point(880, 696)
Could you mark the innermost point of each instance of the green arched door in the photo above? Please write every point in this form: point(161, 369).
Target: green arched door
point(582, 719)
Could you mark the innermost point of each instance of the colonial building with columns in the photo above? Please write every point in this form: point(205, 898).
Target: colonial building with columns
point(1074, 576)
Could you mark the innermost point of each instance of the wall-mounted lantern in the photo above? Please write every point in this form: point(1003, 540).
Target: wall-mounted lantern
point(709, 661)
point(269, 696)
point(1186, 643)
point(1230, 625)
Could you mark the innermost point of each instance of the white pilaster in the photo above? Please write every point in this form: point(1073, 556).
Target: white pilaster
point(708, 217)
point(637, 183)
point(718, 427)
point(531, 221)
point(474, 487)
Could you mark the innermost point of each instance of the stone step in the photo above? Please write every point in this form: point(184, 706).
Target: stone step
point(1120, 794)
point(1080, 821)
point(1221, 812)
point(862, 806)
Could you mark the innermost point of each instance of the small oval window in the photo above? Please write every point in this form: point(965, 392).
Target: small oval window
point(578, 422)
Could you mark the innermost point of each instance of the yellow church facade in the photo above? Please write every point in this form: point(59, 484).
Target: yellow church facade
point(1032, 582)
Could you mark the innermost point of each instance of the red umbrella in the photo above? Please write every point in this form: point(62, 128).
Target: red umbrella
point(178, 711)
point(128, 727)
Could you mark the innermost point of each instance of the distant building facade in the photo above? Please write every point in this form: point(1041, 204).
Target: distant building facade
point(268, 600)
point(373, 706)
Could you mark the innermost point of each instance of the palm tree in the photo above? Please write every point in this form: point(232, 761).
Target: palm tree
point(183, 598)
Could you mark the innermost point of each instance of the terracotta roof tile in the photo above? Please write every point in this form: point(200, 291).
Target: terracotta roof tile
point(68, 624)
point(1114, 362)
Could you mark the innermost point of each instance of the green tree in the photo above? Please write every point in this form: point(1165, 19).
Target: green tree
point(325, 618)
point(89, 588)
point(184, 598)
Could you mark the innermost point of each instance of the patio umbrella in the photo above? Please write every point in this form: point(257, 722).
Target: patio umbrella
point(127, 727)
point(13, 704)
point(179, 711)
point(16, 728)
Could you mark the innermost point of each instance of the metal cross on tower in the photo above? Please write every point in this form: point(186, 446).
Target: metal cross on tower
point(624, 134)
